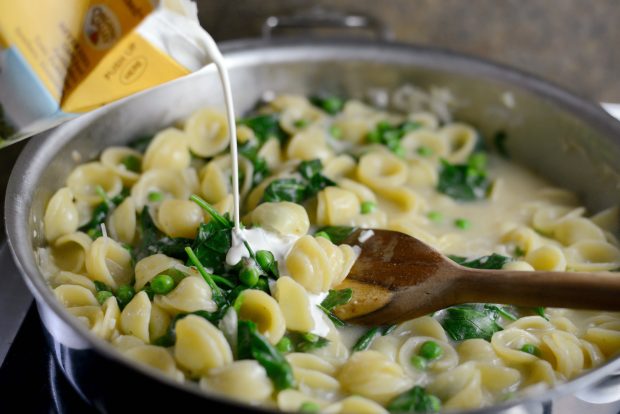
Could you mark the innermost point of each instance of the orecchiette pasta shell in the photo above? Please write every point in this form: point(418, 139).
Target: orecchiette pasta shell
point(372, 375)
point(84, 180)
point(317, 264)
point(259, 307)
point(518, 265)
point(179, 184)
point(355, 404)
point(70, 251)
point(136, 316)
point(179, 218)
point(168, 150)
point(281, 217)
point(607, 340)
point(74, 295)
point(111, 318)
point(215, 183)
point(310, 362)
point(592, 256)
point(122, 221)
point(547, 258)
point(151, 266)
point(308, 144)
point(424, 326)
point(126, 342)
point(508, 343)
point(460, 388)
point(109, 262)
point(243, 380)
point(159, 322)
point(200, 346)
point(91, 316)
point(362, 192)
point(424, 138)
point(448, 359)
point(380, 170)
point(295, 305)
point(207, 131)
point(157, 358)
point(608, 219)
point(69, 278)
point(387, 345)
point(498, 380)
point(336, 207)
point(292, 400)
point(191, 294)
point(571, 230)
point(567, 356)
point(460, 140)
point(271, 153)
point(477, 350)
point(422, 173)
point(61, 215)
point(113, 157)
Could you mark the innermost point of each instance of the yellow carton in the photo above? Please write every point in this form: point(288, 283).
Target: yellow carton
point(60, 58)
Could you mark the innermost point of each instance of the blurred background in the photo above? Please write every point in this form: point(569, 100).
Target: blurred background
point(574, 43)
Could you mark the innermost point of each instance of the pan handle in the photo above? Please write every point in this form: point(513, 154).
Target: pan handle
point(317, 18)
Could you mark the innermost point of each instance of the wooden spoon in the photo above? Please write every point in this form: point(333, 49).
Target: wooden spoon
point(397, 277)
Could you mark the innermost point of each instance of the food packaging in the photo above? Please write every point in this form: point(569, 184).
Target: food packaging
point(62, 58)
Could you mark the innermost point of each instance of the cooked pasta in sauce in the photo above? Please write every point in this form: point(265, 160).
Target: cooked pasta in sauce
point(142, 251)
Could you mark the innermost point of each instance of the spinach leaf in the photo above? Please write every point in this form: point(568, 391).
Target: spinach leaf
point(337, 298)
point(306, 342)
point(416, 400)
point(213, 239)
point(463, 182)
point(364, 341)
point(335, 320)
point(540, 311)
point(494, 261)
point(330, 104)
point(471, 321)
point(264, 127)
point(337, 234)
point(153, 241)
point(285, 189)
point(141, 144)
point(261, 169)
point(390, 135)
point(101, 211)
point(93, 227)
point(252, 345)
point(299, 190)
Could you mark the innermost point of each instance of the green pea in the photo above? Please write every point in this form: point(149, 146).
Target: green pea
point(430, 350)
point(374, 137)
point(418, 362)
point(434, 403)
point(262, 285)
point(462, 223)
point(249, 276)
point(435, 216)
point(323, 234)
point(103, 295)
point(424, 151)
point(309, 407)
point(162, 284)
point(124, 294)
point(477, 161)
point(399, 151)
point(531, 349)
point(132, 163)
point(155, 196)
point(285, 345)
point(335, 131)
point(300, 123)
point(368, 207)
point(265, 259)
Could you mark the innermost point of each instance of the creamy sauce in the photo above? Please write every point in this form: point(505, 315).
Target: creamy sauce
point(218, 60)
point(259, 239)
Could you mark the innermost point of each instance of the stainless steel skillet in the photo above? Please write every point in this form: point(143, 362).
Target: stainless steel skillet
point(564, 138)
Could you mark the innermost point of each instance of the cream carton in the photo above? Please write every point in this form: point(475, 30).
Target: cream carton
point(61, 58)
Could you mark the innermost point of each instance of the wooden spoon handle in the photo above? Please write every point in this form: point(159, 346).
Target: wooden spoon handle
point(562, 289)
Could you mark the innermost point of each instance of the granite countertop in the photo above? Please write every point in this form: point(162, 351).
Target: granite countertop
point(573, 43)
